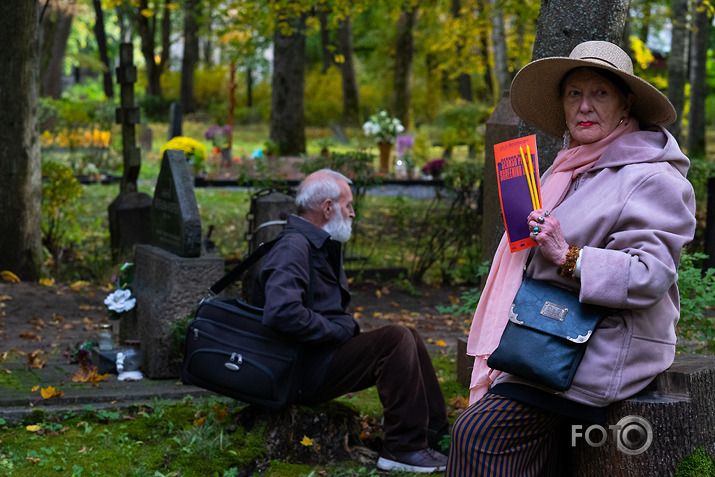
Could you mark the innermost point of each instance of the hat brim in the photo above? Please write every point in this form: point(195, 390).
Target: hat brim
point(535, 95)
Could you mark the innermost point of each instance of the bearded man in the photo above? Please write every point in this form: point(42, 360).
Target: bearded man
point(338, 357)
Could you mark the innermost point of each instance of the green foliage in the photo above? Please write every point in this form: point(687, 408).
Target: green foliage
point(322, 105)
point(156, 108)
point(469, 299)
point(59, 189)
point(448, 234)
point(462, 123)
point(697, 300)
point(697, 464)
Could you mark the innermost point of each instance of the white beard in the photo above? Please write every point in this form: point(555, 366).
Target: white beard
point(339, 228)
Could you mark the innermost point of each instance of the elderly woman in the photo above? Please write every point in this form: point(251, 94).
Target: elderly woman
point(617, 211)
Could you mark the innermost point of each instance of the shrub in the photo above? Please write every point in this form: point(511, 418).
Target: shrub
point(59, 189)
point(697, 296)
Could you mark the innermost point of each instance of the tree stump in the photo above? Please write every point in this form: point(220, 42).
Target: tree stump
point(316, 435)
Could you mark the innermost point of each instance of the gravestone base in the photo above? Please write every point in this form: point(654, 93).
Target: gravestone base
point(167, 288)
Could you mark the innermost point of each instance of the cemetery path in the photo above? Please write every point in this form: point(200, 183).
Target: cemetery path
point(51, 318)
point(39, 324)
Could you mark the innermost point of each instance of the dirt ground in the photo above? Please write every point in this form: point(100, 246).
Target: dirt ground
point(51, 318)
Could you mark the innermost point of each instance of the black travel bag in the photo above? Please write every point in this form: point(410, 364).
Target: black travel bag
point(230, 351)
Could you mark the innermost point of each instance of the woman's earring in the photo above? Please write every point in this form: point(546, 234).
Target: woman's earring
point(567, 139)
point(621, 121)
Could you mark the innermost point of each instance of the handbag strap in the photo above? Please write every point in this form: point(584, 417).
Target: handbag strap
point(252, 259)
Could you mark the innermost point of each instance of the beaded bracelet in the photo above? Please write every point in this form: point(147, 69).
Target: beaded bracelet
point(568, 267)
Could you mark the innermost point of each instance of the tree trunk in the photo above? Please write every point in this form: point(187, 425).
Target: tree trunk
point(645, 25)
point(165, 37)
point(20, 165)
point(101, 35)
point(56, 27)
point(562, 25)
point(678, 63)
point(404, 52)
point(325, 38)
point(146, 30)
point(501, 59)
point(288, 84)
point(698, 75)
point(351, 92)
point(464, 81)
point(191, 54)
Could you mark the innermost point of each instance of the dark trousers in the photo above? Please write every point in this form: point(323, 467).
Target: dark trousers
point(393, 358)
point(499, 436)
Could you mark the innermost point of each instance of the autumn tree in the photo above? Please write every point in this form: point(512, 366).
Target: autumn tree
point(55, 26)
point(678, 63)
point(702, 15)
point(148, 25)
point(287, 123)
point(191, 54)
point(20, 165)
point(404, 53)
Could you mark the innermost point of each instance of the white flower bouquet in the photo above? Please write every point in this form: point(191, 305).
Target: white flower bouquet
point(384, 128)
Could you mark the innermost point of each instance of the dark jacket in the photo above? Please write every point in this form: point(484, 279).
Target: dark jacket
point(282, 287)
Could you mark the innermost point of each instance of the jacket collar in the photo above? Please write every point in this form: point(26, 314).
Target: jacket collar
point(315, 235)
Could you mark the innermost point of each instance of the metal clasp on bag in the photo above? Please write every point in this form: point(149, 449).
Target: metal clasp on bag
point(234, 364)
point(554, 311)
point(208, 297)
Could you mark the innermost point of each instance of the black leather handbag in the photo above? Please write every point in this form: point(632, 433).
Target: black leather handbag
point(547, 334)
point(230, 351)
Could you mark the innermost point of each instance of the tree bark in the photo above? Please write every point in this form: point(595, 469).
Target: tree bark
point(645, 25)
point(56, 26)
point(191, 54)
point(698, 76)
point(20, 165)
point(351, 92)
point(101, 35)
point(288, 84)
point(404, 53)
point(678, 63)
point(562, 25)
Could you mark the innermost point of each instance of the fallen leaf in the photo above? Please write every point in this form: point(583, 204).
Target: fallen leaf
point(48, 282)
point(358, 308)
point(34, 388)
point(85, 307)
point(10, 277)
point(35, 360)
point(29, 335)
point(200, 421)
point(7, 371)
point(5, 298)
point(50, 392)
point(307, 441)
point(454, 300)
point(88, 374)
point(441, 343)
point(78, 285)
point(33, 428)
point(395, 304)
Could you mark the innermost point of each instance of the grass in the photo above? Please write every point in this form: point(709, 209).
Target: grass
point(192, 437)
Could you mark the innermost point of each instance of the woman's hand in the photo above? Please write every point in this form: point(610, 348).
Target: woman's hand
point(546, 231)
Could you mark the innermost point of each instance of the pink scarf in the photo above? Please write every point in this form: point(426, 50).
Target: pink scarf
point(505, 275)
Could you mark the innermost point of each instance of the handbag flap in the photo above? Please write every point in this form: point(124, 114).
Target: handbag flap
point(554, 310)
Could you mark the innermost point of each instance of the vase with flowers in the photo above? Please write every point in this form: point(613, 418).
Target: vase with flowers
point(385, 131)
point(121, 301)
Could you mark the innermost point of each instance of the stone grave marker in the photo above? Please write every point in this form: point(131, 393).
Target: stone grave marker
point(175, 120)
point(175, 222)
point(172, 274)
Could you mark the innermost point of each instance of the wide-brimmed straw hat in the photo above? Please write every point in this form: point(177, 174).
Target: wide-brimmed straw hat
point(535, 95)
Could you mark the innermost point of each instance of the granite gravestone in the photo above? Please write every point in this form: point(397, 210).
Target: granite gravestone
point(175, 120)
point(175, 222)
point(172, 275)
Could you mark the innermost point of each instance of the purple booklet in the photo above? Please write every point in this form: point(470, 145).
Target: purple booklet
point(517, 165)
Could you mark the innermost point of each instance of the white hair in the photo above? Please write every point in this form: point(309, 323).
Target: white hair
point(313, 193)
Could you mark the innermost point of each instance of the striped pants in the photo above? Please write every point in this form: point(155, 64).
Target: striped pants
point(498, 436)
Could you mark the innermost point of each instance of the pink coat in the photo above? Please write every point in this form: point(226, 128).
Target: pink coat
point(632, 213)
